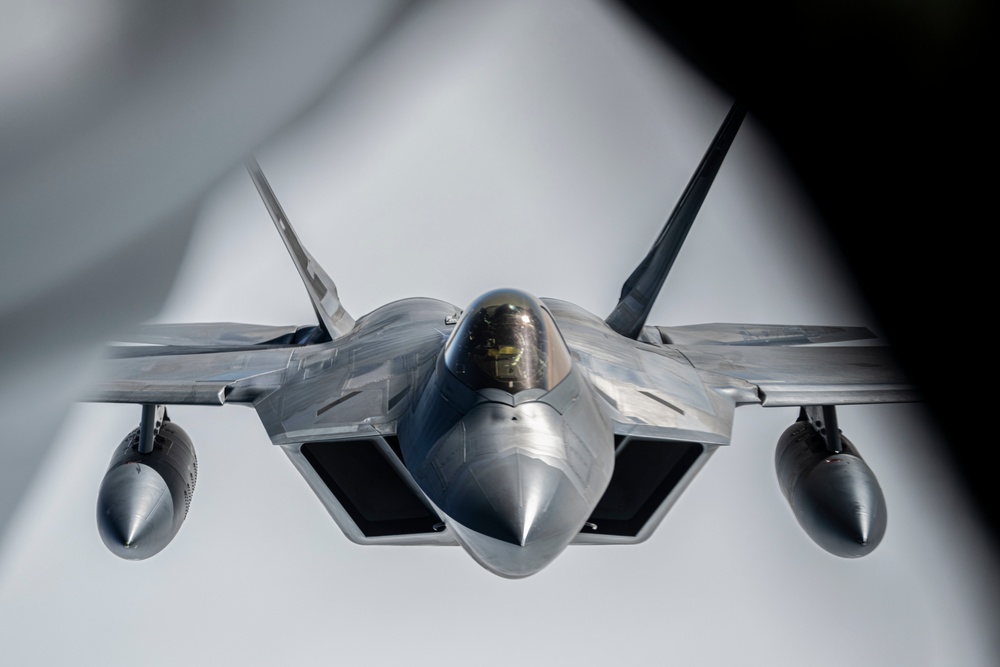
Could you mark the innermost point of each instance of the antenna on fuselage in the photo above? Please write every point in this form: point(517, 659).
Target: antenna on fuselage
point(642, 287)
point(333, 319)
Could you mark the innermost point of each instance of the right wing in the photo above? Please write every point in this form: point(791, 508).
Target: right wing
point(173, 375)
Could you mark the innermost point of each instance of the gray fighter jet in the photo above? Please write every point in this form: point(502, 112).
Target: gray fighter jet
point(513, 428)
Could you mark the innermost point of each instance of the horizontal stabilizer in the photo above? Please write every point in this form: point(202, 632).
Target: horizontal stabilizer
point(322, 290)
point(759, 334)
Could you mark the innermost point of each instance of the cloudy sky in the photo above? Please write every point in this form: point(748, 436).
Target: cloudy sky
point(537, 146)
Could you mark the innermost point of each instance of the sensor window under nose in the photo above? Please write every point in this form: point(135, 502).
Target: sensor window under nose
point(507, 340)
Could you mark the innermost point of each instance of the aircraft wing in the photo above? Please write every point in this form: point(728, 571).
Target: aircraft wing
point(174, 375)
point(759, 334)
point(803, 376)
point(209, 334)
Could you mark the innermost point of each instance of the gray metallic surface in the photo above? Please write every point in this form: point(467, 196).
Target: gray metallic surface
point(515, 456)
point(758, 334)
point(360, 383)
point(194, 379)
point(651, 390)
point(144, 498)
point(149, 425)
point(797, 376)
point(643, 286)
point(386, 377)
point(835, 497)
point(515, 475)
point(823, 419)
point(207, 334)
point(322, 291)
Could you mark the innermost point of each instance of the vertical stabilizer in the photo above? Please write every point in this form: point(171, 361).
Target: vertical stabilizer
point(322, 291)
point(642, 287)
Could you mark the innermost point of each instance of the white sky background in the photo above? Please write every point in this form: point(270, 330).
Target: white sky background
point(488, 145)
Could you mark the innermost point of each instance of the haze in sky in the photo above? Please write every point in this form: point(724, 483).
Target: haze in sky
point(538, 146)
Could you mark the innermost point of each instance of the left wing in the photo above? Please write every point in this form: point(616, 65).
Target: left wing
point(804, 376)
point(786, 365)
point(755, 334)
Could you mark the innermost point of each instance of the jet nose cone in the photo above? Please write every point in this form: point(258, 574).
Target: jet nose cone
point(134, 511)
point(515, 514)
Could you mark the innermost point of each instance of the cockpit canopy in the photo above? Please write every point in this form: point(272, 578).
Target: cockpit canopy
point(507, 340)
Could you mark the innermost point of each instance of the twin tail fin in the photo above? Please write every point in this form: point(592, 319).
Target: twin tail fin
point(333, 319)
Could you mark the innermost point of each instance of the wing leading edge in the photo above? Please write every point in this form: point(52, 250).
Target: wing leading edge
point(785, 367)
point(807, 376)
point(217, 334)
point(759, 334)
point(182, 376)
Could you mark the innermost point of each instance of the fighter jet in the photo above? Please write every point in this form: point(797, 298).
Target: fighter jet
point(513, 428)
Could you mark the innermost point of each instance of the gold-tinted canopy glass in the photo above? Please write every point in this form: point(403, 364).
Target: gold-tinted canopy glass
point(507, 340)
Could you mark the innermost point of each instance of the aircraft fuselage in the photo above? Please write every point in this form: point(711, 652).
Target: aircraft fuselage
point(508, 439)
